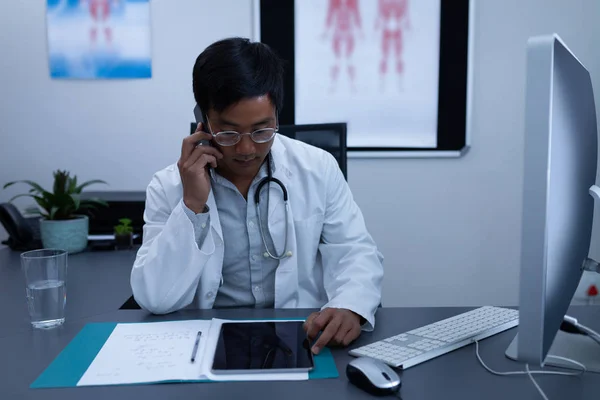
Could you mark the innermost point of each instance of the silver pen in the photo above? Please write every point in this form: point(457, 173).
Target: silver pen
point(196, 343)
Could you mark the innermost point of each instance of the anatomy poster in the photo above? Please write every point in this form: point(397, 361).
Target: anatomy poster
point(99, 39)
point(373, 64)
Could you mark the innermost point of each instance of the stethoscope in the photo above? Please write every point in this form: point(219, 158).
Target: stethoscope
point(263, 182)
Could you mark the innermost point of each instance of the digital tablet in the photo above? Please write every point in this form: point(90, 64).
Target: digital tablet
point(262, 347)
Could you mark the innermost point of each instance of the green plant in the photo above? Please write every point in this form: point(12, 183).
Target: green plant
point(64, 201)
point(124, 228)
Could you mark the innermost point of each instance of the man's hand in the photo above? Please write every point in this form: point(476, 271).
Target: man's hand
point(192, 169)
point(338, 326)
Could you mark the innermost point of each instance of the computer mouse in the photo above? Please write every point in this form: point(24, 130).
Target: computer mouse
point(373, 376)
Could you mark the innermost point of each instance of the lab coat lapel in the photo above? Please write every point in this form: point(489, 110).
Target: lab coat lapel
point(286, 278)
point(214, 214)
point(276, 211)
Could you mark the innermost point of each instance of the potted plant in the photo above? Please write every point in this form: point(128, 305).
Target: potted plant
point(124, 234)
point(62, 225)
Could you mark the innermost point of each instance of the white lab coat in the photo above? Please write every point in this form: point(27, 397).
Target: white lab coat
point(334, 261)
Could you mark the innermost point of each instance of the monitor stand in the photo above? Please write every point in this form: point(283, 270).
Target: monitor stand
point(575, 347)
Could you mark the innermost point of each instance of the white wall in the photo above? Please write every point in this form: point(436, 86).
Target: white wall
point(92, 124)
point(449, 228)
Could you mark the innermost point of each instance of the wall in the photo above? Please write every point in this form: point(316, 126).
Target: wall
point(449, 229)
point(91, 124)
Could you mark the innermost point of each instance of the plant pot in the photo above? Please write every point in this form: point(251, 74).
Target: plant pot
point(70, 235)
point(123, 241)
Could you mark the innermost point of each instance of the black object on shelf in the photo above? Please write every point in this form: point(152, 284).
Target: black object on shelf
point(121, 204)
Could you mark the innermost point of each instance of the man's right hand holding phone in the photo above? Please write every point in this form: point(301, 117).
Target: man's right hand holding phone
point(193, 169)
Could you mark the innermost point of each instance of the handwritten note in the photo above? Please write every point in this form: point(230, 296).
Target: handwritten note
point(148, 352)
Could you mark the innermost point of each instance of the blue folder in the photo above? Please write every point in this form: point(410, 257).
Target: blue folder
point(70, 365)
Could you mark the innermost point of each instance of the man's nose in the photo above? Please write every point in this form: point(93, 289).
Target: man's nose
point(245, 146)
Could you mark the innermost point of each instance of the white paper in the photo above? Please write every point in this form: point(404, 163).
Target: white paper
point(149, 352)
point(211, 344)
point(108, 237)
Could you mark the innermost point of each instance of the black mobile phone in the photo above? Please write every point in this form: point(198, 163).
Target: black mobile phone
point(200, 118)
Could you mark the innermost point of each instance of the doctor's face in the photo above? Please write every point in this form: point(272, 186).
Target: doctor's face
point(243, 159)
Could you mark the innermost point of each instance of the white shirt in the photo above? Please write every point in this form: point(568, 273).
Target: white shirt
point(333, 260)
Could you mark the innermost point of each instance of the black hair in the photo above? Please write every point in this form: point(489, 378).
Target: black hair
point(234, 69)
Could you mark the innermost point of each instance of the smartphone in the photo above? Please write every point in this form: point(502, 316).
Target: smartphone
point(200, 118)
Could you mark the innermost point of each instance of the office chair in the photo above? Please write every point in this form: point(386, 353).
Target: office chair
point(330, 137)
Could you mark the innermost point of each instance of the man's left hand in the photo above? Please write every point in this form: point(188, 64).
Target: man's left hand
point(338, 326)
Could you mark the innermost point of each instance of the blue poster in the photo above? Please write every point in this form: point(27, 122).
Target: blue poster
point(99, 39)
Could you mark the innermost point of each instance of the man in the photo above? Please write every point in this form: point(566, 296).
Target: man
point(207, 243)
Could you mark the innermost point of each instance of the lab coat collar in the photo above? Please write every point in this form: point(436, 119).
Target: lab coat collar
point(279, 161)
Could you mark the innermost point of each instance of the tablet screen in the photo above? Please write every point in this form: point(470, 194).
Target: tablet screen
point(278, 346)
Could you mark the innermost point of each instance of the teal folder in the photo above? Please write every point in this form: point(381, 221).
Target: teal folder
point(70, 365)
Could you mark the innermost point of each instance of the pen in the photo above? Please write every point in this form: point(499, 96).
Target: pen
point(196, 346)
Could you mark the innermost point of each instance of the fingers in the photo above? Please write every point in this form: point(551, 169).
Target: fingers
point(351, 335)
point(341, 334)
point(337, 327)
point(309, 322)
point(202, 161)
point(211, 153)
point(189, 143)
point(319, 322)
point(329, 333)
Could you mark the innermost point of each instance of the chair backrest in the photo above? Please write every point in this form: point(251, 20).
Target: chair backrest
point(329, 137)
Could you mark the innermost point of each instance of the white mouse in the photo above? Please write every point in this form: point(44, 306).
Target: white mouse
point(373, 376)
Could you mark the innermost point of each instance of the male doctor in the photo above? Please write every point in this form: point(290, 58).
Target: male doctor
point(207, 243)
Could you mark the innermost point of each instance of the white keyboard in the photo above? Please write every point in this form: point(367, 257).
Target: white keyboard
point(414, 347)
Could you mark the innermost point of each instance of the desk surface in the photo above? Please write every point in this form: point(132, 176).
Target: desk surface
point(456, 375)
point(98, 284)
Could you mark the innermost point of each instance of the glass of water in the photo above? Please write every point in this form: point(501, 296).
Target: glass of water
point(46, 279)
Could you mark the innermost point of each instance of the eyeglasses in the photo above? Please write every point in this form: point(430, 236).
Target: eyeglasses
point(230, 138)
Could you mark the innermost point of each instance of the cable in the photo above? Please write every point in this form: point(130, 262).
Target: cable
point(583, 368)
point(530, 373)
point(571, 325)
point(535, 383)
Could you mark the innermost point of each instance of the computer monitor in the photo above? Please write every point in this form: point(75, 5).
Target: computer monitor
point(559, 170)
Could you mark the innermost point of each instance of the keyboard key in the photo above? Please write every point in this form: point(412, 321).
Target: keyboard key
point(440, 335)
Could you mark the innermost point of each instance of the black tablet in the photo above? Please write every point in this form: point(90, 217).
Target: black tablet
point(268, 347)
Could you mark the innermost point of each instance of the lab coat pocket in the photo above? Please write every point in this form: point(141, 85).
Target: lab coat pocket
point(277, 238)
point(308, 236)
point(303, 235)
